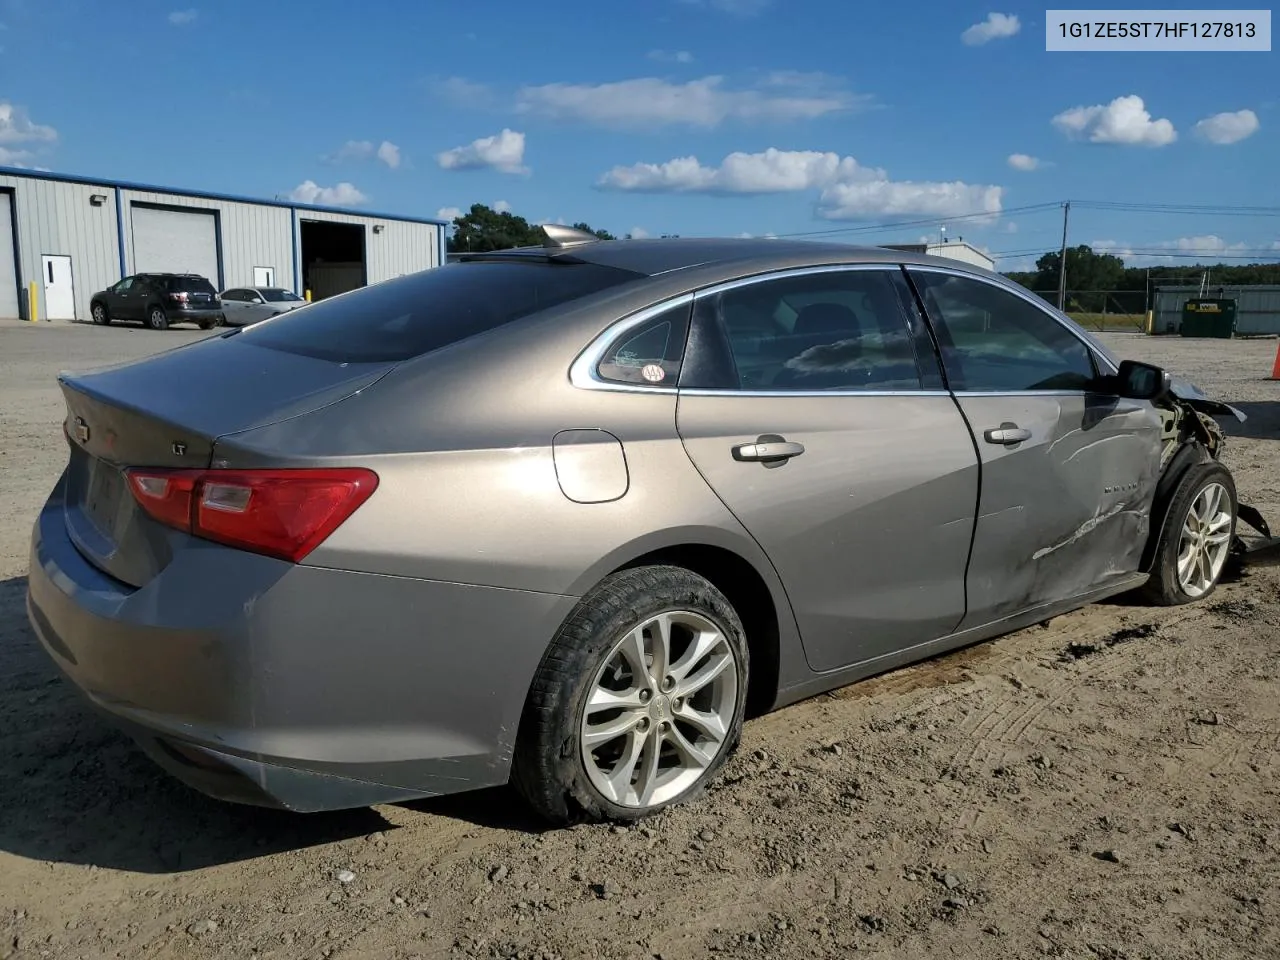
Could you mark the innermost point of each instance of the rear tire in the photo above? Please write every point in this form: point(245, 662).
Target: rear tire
point(1195, 545)
point(680, 711)
point(99, 313)
point(206, 324)
point(156, 319)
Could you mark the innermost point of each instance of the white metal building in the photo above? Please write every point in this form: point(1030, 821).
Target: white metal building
point(953, 249)
point(73, 236)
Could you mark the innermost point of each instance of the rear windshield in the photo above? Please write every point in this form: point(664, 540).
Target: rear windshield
point(413, 315)
point(276, 295)
point(190, 284)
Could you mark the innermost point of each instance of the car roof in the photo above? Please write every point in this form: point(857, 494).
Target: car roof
point(652, 257)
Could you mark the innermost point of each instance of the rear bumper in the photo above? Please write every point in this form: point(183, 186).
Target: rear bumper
point(192, 314)
point(261, 682)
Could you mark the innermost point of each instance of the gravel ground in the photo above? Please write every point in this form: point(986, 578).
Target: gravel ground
point(1103, 786)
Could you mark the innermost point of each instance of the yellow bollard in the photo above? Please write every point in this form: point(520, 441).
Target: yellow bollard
point(1151, 322)
point(33, 303)
point(307, 295)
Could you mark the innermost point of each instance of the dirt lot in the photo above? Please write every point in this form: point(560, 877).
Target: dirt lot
point(1105, 786)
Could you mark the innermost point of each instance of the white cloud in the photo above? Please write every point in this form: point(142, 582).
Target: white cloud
point(1206, 246)
point(671, 56)
point(503, 152)
point(341, 195)
point(389, 154)
point(880, 198)
point(648, 102)
point(448, 213)
point(463, 92)
point(180, 18)
point(1124, 120)
point(14, 158)
point(1225, 128)
point(1022, 161)
point(386, 151)
point(773, 171)
point(640, 233)
point(16, 127)
point(997, 26)
point(501, 206)
point(849, 191)
point(1011, 227)
point(752, 236)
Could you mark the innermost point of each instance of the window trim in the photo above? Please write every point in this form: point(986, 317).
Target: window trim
point(582, 373)
point(1101, 361)
point(585, 373)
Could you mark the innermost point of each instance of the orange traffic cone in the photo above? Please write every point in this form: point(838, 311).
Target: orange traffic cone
point(1275, 367)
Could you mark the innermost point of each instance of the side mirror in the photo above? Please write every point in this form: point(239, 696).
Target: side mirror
point(1141, 381)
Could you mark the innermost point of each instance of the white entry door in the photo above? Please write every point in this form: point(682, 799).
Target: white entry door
point(59, 292)
point(264, 276)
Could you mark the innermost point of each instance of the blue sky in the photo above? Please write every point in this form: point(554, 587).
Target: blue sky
point(696, 117)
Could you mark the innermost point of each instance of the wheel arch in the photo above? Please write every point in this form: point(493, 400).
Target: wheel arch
point(749, 594)
point(1191, 453)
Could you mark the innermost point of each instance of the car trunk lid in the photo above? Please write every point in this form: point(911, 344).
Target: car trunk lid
point(168, 411)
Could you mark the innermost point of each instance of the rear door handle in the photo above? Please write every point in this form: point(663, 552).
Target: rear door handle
point(1007, 434)
point(768, 448)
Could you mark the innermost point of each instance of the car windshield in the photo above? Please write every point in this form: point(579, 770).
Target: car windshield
point(413, 315)
point(276, 295)
point(190, 285)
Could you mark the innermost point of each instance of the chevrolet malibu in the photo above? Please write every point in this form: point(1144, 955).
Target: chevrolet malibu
point(559, 516)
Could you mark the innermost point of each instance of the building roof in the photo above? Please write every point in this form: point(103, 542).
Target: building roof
point(27, 174)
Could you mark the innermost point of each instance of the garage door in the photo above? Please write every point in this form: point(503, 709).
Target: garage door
point(8, 280)
point(175, 241)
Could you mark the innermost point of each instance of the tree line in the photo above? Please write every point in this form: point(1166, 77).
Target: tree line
point(1100, 282)
point(483, 229)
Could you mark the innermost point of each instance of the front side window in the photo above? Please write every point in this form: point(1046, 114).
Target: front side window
point(650, 354)
point(123, 286)
point(277, 295)
point(994, 340)
point(825, 331)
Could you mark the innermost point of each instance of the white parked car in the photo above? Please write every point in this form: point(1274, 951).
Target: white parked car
point(242, 306)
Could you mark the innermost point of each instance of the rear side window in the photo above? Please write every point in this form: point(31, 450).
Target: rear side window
point(190, 285)
point(409, 316)
point(650, 354)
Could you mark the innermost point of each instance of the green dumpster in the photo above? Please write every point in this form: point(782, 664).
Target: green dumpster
point(1209, 318)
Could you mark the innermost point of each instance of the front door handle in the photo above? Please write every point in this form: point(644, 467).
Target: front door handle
point(1007, 434)
point(768, 448)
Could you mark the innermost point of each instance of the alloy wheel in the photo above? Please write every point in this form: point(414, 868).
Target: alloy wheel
point(659, 710)
point(1205, 541)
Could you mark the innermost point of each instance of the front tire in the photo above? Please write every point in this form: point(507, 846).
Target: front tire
point(99, 313)
point(156, 319)
point(638, 701)
point(1195, 544)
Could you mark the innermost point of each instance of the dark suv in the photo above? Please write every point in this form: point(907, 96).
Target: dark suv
point(159, 299)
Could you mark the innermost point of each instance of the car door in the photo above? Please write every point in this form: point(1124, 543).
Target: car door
point(256, 307)
point(233, 306)
point(1068, 473)
point(138, 296)
point(117, 298)
point(808, 406)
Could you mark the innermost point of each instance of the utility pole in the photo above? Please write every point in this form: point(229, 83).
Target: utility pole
point(1062, 265)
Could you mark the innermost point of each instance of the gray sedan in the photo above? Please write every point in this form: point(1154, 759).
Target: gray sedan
point(242, 306)
point(560, 516)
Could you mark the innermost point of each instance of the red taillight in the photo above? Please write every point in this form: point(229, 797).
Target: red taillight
point(280, 513)
point(178, 297)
